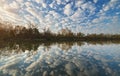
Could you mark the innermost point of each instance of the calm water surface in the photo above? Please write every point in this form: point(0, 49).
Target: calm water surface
point(61, 60)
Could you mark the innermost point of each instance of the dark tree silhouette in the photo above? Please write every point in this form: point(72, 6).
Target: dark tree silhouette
point(32, 33)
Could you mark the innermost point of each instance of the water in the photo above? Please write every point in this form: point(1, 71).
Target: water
point(65, 59)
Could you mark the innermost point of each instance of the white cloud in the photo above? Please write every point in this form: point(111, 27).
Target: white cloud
point(110, 5)
point(55, 14)
point(106, 8)
point(61, 2)
point(28, 4)
point(2, 2)
point(68, 10)
point(38, 1)
point(42, 2)
point(99, 26)
point(95, 1)
point(100, 19)
point(67, 0)
point(29, 18)
point(78, 14)
point(20, 1)
point(36, 14)
point(44, 5)
point(79, 3)
point(89, 6)
point(14, 5)
point(8, 15)
point(96, 20)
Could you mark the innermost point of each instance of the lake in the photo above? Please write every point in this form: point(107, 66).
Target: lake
point(60, 59)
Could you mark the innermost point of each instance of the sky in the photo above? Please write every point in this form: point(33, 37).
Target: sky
point(86, 16)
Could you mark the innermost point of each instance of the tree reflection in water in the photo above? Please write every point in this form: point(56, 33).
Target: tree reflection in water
point(60, 59)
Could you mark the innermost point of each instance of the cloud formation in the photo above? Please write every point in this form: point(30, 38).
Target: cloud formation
point(59, 60)
point(93, 16)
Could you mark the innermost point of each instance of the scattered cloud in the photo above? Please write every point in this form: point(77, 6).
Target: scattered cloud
point(95, 1)
point(60, 14)
point(68, 10)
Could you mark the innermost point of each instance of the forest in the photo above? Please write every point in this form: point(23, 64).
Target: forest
point(9, 32)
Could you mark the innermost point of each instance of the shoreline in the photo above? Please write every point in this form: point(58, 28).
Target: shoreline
point(116, 40)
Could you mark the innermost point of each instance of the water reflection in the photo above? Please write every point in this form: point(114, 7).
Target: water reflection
point(64, 59)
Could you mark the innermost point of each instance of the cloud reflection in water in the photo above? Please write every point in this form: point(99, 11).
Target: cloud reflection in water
point(85, 60)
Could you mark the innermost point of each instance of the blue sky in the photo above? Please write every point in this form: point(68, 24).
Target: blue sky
point(87, 16)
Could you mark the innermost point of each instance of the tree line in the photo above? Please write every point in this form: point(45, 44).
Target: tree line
point(32, 33)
